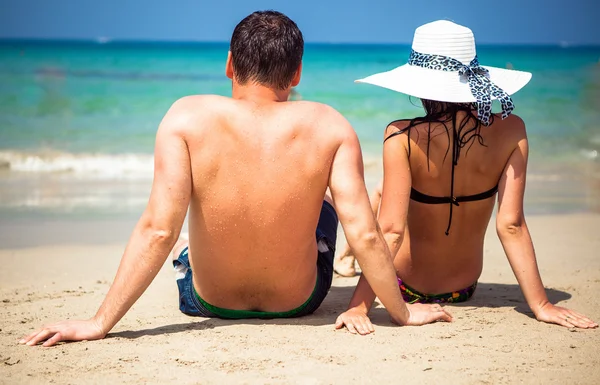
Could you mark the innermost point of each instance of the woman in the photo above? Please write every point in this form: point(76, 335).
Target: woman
point(441, 174)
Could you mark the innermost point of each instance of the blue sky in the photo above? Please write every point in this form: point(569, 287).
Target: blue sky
point(359, 21)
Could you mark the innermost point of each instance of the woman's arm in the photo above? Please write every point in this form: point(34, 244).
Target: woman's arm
point(516, 240)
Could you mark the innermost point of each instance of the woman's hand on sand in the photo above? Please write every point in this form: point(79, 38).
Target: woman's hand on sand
point(564, 317)
point(356, 321)
point(421, 314)
point(65, 331)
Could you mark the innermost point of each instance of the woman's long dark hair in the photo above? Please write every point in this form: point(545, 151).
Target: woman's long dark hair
point(464, 132)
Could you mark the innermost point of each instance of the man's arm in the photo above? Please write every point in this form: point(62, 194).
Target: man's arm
point(516, 241)
point(392, 212)
point(362, 231)
point(151, 241)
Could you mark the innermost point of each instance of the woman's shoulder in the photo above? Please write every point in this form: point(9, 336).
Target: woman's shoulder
point(399, 124)
point(512, 124)
point(397, 127)
point(513, 120)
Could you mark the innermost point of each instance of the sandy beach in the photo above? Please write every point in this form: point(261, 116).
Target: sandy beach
point(85, 85)
point(494, 339)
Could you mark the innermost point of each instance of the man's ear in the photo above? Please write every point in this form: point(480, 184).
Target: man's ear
point(297, 76)
point(229, 66)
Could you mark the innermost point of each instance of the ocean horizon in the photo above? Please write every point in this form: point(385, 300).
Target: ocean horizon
point(75, 113)
point(106, 40)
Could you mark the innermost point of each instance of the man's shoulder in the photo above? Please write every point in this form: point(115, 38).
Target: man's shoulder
point(191, 111)
point(191, 103)
point(321, 115)
point(315, 107)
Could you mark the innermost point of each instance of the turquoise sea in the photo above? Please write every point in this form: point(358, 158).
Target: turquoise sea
point(77, 119)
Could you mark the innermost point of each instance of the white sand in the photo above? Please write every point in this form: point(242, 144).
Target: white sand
point(494, 339)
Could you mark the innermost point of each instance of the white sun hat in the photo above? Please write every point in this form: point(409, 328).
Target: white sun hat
point(443, 66)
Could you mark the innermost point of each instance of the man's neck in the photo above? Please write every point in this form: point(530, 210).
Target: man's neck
point(258, 93)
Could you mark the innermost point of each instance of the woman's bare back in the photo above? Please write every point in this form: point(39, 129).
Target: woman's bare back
point(429, 260)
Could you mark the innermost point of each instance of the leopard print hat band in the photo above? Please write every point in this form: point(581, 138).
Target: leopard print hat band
point(482, 88)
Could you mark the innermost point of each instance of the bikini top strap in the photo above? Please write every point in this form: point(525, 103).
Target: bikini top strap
point(479, 197)
point(455, 153)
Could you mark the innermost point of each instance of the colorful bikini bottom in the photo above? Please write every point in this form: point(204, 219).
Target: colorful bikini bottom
point(411, 295)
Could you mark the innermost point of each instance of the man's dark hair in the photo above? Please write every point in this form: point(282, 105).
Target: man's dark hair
point(267, 48)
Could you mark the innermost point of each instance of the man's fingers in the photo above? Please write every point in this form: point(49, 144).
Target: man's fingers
point(26, 339)
point(363, 328)
point(350, 327)
point(355, 324)
point(360, 328)
point(41, 336)
point(370, 326)
point(52, 341)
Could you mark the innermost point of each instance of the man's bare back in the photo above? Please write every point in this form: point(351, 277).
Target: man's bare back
point(253, 170)
point(259, 175)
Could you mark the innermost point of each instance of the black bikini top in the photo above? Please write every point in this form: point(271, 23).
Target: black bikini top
point(451, 200)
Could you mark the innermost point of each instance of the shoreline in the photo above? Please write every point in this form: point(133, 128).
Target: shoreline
point(61, 185)
point(59, 208)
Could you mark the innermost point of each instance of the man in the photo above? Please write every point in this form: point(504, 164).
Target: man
point(253, 170)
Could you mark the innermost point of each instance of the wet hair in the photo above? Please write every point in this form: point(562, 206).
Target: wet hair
point(266, 48)
point(464, 132)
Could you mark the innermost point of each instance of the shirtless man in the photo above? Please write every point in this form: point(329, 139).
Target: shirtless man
point(253, 170)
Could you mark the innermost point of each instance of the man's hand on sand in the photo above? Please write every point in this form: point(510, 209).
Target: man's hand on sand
point(65, 331)
point(357, 321)
point(564, 317)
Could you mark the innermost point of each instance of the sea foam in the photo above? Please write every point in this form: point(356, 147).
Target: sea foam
point(90, 165)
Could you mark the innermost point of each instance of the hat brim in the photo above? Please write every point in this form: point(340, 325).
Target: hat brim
point(443, 86)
